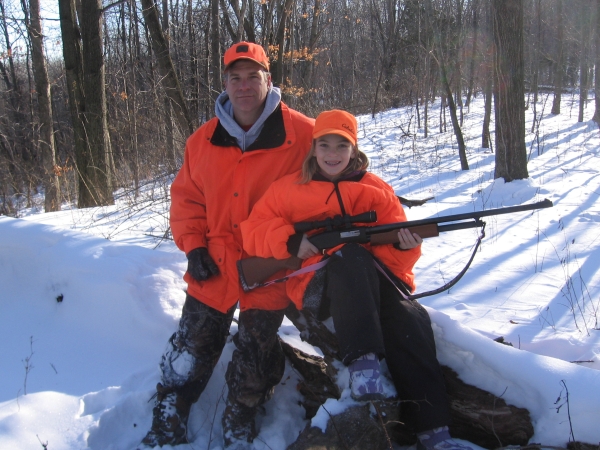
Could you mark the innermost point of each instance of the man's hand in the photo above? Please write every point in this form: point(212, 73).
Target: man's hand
point(200, 265)
point(408, 240)
point(307, 249)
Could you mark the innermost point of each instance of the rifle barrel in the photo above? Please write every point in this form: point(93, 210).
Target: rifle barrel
point(457, 217)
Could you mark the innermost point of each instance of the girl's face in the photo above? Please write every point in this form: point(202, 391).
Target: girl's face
point(333, 153)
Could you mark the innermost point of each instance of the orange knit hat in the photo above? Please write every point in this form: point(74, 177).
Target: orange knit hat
point(337, 122)
point(246, 50)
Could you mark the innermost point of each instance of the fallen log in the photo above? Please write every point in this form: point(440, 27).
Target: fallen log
point(476, 415)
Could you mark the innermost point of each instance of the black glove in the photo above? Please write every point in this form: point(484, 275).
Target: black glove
point(200, 265)
point(293, 243)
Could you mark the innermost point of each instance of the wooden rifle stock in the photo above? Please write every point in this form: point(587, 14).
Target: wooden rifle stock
point(255, 270)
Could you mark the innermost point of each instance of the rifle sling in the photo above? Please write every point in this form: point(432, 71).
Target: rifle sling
point(455, 280)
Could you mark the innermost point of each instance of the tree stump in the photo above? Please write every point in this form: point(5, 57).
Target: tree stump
point(476, 415)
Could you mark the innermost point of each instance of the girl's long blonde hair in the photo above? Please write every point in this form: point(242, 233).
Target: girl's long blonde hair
point(310, 165)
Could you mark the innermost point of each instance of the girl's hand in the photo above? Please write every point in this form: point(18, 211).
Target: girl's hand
point(306, 249)
point(408, 240)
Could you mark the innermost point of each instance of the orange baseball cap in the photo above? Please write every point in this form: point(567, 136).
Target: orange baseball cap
point(246, 50)
point(337, 122)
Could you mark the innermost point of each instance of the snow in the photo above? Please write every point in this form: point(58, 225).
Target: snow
point(89, 298)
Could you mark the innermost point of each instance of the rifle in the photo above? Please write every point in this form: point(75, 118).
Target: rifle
point(339, 230)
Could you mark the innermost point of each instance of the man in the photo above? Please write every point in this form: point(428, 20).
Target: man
point(229, 162)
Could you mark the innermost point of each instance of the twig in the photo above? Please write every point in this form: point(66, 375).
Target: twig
point(28, 365)
point(44, 445)
point(493, 415)
point(387, 436)
point(566, 401)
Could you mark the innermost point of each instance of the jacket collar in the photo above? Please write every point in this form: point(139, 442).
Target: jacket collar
point(352, 176)
point(272, 134)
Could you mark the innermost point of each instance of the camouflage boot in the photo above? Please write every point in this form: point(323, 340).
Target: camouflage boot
point(169, 421)
point(239, 429)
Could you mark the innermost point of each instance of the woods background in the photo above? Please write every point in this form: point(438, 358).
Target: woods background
point(108, 104)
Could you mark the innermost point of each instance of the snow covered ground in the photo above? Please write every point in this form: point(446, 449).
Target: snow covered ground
point(88, 298)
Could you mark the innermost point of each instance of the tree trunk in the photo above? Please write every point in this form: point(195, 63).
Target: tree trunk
point(21, 149)
point(215, 50)
point(167, 109)
point(458, 63)
point(475, 7)
point(167, 70)
point(509, 92)
point(586, 14)
point(249, 24)
point(390, 49)
point(312, 43)
point(462, 150)
point(13, 81)
point(596, 117)
point(194, 82)
point(277, 68)
point(428, 84)
point(42, 87)
point(536, 62)
point(74, 74)
point(240, 30)
point(558, 64)
point(488, 83)
point(98, 170)
point(132, 49)
point(487, 114)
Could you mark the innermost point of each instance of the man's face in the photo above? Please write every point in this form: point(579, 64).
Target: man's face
point(247, 85)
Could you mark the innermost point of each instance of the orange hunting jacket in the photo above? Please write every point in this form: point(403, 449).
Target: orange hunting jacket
point(286, 202)
point(215, 191)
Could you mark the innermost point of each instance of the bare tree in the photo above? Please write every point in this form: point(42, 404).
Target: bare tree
point(312, 43)
point(170, 79)
point(17, 146)
point(168, 110)
point(509, 90)
point(536, 61)
point(42, 87)
point(87, 100)
point(474, 51)
point(98, 169)
point(442, 63)
point(559, 60)
point(74, 75)
point(283, 14)
point(215, 50)
point(586, 12)
point(596, 117)
point(487, 76)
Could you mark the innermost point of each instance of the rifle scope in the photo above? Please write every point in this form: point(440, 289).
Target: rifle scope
point(336, 222)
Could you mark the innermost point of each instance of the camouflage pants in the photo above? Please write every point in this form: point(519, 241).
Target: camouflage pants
point(195, 348)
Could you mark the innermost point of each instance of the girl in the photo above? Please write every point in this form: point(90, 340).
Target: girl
point(360, 285)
